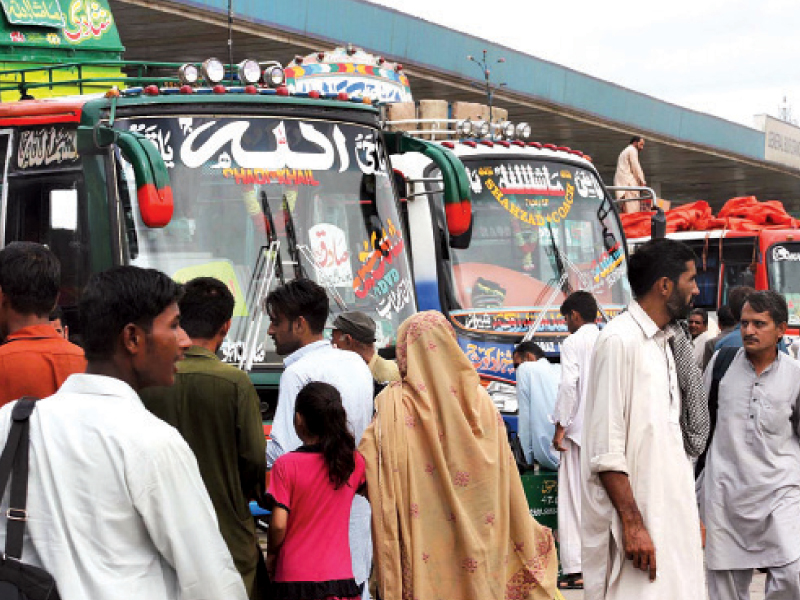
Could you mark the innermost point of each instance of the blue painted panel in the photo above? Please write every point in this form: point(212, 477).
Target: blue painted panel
point(406, 38)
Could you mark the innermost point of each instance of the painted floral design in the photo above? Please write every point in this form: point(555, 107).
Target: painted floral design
point(470, 565)
point(461, 479)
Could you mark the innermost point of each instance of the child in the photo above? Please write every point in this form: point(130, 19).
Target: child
point(312, 491)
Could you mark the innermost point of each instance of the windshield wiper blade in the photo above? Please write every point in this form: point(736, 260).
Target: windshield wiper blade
point(259, 287)
point(326, 283)
point(272, 234)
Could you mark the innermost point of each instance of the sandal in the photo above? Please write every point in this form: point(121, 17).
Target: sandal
point(573, 581)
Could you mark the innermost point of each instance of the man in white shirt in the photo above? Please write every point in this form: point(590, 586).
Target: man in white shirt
point(580, 312)
point(537, 386)
point(639, 521)
point(629, 174)
point(750, 492)
point(298, 311)
point(116, 505)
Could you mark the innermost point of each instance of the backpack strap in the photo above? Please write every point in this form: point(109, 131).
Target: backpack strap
point(15, 456)
point(722, 361)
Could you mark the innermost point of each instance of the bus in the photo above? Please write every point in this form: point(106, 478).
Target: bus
point(543, 225)
point(208, 169)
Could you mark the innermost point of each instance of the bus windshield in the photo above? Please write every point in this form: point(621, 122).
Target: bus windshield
point(320, 188)
point(783, 267)
point(537, 224)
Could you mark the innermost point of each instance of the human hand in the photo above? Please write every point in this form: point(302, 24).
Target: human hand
point(639, 548)
point(703, 533)
point(558, 438)
point(272, 561)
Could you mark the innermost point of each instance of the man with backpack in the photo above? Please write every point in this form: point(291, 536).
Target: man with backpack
point(750, 492)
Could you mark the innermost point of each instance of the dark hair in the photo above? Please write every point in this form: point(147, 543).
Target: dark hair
point(56, 313)
point(635, 139)
point(584, 303)
point(524, 348)
point(702, 312)
point(206, 306)
point(725, 316)
point(120, 296)
point(736, 299)
point(655, 259)
point(300, 298)
point(321, 407)
point(30, 276)
point(770, 302)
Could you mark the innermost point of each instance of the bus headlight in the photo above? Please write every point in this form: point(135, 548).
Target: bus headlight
point(523, 131)
point(213, 70)
point(274, 76)
point(188, 74)
point(249, 72)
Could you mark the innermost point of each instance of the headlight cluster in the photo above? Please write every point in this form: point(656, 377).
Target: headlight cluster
point(249, 72)
point(481, 129)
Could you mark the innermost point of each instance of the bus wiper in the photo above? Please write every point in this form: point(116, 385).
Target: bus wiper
point(561, 260)
point(260, 286)
point(272, 234)
point(291, 239)
point(326, 282)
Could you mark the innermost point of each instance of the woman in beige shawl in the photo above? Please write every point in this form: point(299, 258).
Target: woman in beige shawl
point(449, 516)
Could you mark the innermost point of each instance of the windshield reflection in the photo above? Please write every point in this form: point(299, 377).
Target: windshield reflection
point(319, 188)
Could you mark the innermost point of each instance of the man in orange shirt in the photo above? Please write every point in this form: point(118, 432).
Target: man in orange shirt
point(34, 359)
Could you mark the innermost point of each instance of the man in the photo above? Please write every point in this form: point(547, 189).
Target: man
point(537, 386)
point(629, 174)
point(217, 411)
point(726, 324)
point(56, 319)
point(640, 525)
point(736, 299)
point(297, 312)
point(750, 498)
point(580, 312)
point(698, 329)
point(355, 331)
point(116, 505)
point(34, 360)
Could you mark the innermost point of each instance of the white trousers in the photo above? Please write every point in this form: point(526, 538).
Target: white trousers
point(569, 508)
point(361, 542)
point(783, 583)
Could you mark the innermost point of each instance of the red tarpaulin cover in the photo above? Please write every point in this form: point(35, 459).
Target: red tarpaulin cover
point(738, 214)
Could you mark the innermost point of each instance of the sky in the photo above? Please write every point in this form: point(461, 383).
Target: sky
point(730, 58)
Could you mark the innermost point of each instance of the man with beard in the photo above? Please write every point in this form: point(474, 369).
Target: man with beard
point(640, 524)
point(297, 312)
point(750, 494)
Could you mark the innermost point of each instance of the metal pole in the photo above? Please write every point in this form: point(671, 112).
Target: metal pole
point(230, 37)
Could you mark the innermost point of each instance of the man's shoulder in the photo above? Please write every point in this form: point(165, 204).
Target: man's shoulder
point(49, 345)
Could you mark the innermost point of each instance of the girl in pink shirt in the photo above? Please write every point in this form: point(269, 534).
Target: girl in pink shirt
point(312, 490)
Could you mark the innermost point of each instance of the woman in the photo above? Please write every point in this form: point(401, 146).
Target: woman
point(449, 516)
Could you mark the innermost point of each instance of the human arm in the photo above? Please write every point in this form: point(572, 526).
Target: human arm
point(168, 493)
point(568, 399)
point(275, 537)
point(636, 168)
point(524, 399)
point(636, 540)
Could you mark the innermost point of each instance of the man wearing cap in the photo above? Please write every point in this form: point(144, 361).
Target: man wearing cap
point(355, 331)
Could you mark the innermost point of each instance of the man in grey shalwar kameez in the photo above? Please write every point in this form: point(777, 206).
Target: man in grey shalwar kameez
point(750, 495)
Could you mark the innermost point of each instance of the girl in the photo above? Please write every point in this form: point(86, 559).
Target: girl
point(312, 490)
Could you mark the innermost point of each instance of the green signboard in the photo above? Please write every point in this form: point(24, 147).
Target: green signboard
point(41, 13)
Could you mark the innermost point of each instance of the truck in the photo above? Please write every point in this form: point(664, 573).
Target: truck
point(543, 225)
point(206, 169)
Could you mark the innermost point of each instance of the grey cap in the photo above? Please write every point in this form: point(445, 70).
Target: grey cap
point(357, 325)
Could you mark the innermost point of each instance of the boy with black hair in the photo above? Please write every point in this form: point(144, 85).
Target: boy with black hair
point(217, 411)
point(116, 504)
point(34, 359)
point(580, 312)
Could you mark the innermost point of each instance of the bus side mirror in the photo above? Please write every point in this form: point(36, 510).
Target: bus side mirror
point(457, 201)
point(400, 184)
point(153, 189)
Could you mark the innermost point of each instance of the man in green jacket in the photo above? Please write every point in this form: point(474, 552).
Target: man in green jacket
point(216, 409)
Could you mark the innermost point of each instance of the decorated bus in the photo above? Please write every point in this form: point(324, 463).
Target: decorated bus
point(214, 170)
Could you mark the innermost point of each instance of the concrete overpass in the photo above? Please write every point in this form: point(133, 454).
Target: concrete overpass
point(689, 155)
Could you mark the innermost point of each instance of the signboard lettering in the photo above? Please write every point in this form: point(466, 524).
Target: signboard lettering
point(46, 146)
point(41, 13)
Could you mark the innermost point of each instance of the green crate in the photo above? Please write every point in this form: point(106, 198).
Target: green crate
point(541, 490)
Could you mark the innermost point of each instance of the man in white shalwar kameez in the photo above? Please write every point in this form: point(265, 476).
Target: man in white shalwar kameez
point(629, 173)
point(750, 497)
point(640, 524)
point(580, 312)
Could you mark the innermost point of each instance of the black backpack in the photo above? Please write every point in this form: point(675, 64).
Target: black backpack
point(20, 581)
point(725, 356)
